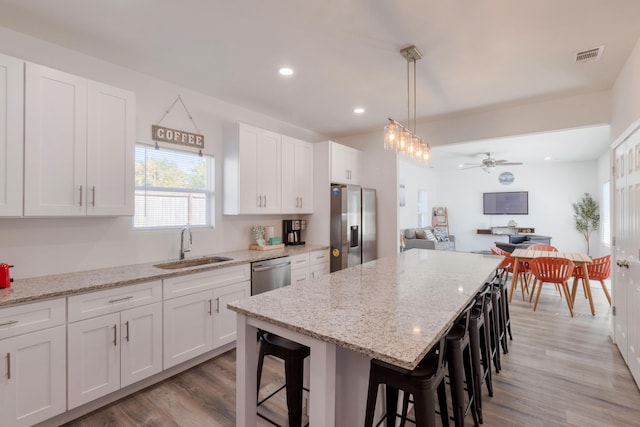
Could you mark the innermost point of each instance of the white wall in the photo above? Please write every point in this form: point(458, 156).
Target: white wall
point(46, 246)
point(415, 178)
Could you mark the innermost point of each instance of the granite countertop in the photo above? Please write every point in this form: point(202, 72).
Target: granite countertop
point(60, 285)
point(393, 309)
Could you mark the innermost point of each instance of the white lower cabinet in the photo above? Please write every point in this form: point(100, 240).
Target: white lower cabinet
point(224, 320)
point(33, 384)
point(196, 318)
point(141, 343)
point(188, 328)
point(113, 350)
point(299, 268)
point(318, 264)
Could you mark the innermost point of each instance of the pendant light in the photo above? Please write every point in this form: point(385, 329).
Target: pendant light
point(400, 138)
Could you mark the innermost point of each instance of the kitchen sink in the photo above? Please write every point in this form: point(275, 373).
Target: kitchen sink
point(174, 265)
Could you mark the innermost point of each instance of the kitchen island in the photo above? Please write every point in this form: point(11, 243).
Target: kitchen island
point(393, 309)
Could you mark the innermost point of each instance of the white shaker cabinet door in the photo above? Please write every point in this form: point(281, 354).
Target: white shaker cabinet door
point(11, 135)
point(224, 320)
point(55, 142)
point(110, 150)
point(188, 327)
point(141, 343)
point(94, 358)
point(33, 382)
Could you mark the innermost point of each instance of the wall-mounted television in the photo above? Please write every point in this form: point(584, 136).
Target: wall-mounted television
point(506, 203)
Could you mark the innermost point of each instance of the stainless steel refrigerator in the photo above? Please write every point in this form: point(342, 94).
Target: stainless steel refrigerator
point(353, 226)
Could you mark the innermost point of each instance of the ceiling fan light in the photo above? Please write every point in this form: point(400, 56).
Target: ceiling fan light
point(489, 169)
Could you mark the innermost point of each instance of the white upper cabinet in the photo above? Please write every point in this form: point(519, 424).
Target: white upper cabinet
point(11, 135)
point(345, 164)
point(297, 176)
point(111, 147)
point(252, 179)
point(79, 146)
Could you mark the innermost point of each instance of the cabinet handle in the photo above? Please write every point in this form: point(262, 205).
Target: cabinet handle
point(218, 305)
point(127, 327)
point(300, 201)
point(111, 301)
point(115, 336)
point(8, 366)
point(93, 195)
point(10, 322)
point(209, 306)
point(265, 201)
point(259, 201)
point(81, 195)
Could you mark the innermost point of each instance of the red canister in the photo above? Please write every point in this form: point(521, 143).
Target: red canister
point(5, 277)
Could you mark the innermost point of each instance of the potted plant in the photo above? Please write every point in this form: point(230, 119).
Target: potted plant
point(587, 217)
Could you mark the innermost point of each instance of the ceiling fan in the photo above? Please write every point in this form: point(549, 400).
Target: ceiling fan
point(489, 164)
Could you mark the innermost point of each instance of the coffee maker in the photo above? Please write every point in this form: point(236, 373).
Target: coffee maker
point(292, 231)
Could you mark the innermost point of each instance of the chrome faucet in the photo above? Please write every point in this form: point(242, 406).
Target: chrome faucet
point(182, 248)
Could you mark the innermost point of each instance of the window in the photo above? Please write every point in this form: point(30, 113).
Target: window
point(173, 189)
point(605, 215)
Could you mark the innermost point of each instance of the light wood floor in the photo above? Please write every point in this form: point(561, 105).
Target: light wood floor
point(560, 371)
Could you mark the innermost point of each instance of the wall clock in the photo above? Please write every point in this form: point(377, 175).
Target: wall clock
point(505, 178)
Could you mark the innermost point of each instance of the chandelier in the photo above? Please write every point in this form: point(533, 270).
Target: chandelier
point(400, 138)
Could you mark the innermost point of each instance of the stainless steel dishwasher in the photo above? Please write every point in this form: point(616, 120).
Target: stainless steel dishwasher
point(270, 274)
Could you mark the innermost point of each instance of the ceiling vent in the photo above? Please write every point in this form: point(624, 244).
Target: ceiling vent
point(589, 55)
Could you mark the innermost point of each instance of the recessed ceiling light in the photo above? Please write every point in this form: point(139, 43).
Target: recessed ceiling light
point(358, 110)
point(285, 71)
point(548, 158)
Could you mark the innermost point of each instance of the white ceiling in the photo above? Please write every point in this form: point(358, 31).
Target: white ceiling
point(477, 54)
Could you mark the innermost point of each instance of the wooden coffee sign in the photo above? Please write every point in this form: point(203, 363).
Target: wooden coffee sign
point(173, 136)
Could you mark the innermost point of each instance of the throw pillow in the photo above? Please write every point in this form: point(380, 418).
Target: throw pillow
point(409, 233)
point(441, 234)
point(421, 234)
point(430, 236)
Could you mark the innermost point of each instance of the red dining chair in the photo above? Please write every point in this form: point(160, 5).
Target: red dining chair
point(598, 269)
point(523, 271)
point(542, 247)
point(553, 270)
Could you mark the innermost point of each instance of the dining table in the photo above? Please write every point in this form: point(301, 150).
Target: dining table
point(393, 309)
point(581, 260)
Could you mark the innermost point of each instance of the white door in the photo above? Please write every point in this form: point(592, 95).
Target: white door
point(269, 161)
point(290, 196)
point(94, 358)
point(188, 327)
point(250, 198)
point(626, 270)
point(141, 343)
point(11, 136)
point(224, 320)
point(55, 135)
point(33, 381)
point(304, 176)
point(110, 150)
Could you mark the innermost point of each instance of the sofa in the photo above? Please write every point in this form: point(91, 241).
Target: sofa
point(522, 241)
point(434, 238)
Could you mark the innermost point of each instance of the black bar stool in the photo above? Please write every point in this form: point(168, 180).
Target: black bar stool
point(460, 368)
point(422, 383)
point(491, 332)
point(497, 298)
point(293, 355)
point(480, 348)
